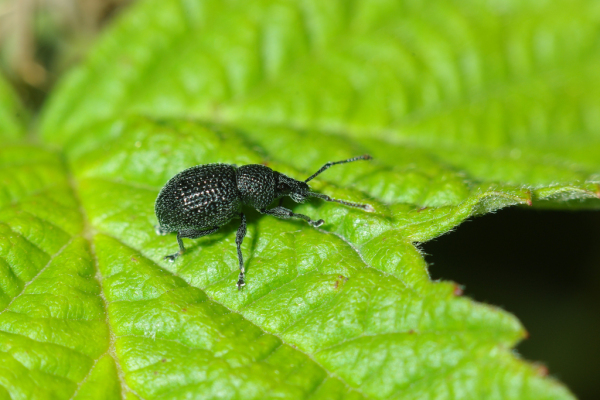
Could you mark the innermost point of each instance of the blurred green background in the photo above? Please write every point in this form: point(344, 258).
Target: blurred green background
point(548, 274)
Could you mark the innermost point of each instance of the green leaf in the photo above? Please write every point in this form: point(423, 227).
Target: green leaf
point(12, 115)
point(466, 107)
point(505, 92)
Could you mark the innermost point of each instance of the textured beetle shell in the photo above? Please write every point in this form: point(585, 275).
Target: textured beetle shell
point(199, 198)
point(256, 184)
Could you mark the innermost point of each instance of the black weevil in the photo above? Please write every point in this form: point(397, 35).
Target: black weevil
point(199, 200)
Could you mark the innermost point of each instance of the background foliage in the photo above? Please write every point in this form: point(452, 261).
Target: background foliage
point(467, 107)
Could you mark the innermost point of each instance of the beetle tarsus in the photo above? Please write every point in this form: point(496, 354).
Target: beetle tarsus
point(240, 284)
point(316, 224)
point(172, 257)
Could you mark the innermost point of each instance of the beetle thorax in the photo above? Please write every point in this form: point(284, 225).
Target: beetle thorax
point(256, 184)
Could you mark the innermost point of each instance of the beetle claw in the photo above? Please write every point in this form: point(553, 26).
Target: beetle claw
point(318, 223)
point(172, 257)
point(240, 284)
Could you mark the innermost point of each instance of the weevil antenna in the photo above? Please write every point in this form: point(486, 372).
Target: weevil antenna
point(366, 207)
point(332, 163)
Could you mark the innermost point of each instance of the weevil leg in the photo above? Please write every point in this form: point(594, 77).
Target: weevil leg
point(191, 234)
point(282, 212)
point(173, 257)
point(239, 238)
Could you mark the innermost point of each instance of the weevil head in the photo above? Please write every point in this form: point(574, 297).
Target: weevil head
point(286, 186)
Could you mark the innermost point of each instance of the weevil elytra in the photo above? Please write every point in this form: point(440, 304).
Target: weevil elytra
point(199, 200)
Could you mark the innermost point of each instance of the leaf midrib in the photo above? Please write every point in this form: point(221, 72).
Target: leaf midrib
point(88, 234)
